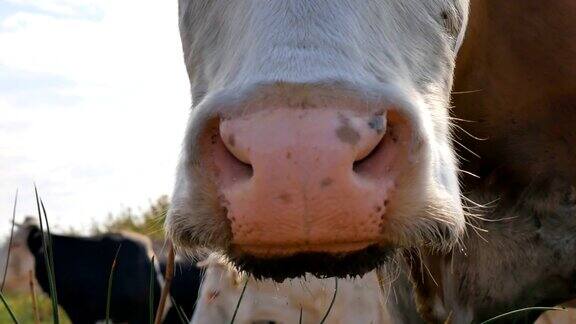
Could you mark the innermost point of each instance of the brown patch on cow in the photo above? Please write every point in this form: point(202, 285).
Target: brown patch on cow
point(213, 295)
point(346, 133)
point(378, 208)
point(326, 182)
point(288, 155)
point(231, 140)
point(286, 198)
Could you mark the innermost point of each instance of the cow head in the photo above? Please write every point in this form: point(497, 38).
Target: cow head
point(319, 140)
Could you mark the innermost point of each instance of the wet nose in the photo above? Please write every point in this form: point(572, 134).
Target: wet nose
point(317, 179)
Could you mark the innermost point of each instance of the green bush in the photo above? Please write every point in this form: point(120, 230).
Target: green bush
point(149, 223)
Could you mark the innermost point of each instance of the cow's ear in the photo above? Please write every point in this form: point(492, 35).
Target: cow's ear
point(34, 240)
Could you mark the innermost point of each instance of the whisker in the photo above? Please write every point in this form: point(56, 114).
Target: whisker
point(468, 133)
point(466, 92)
point(469, 173)
point(466, 148)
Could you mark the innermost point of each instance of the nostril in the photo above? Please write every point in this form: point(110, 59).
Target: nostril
point(377, 126)
point(382, 157)
point(362, 160)
point(238, 150)
point(229, 158)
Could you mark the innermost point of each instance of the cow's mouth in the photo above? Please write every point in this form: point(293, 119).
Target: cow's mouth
point(264, 251)
point(319, 264)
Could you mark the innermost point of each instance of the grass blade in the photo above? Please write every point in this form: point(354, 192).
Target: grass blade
point(110, 281)
point(332, 302)
point(522, 310)
point(180, 312)
point(8, 308)
point(151, 292)
point(33, 297)
point(50, 251)
point(239, 301)
point(10, 241)
point(52, 268)
point(48, 259)
point(167, 283)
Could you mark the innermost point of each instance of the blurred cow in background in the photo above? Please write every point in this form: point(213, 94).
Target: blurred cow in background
point(82, 267)
point(20, 261)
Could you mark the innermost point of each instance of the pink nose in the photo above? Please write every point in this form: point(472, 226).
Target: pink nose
point(296, 180)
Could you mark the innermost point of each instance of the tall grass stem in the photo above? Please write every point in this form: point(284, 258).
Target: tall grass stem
point(151, 292)
point(8, 308)
point(110, 283)
point(168, 276)
point(10, 241)
point(331, 302)
point(522, 310)
point(239, 301)
point(33, 296)
point(49, 262)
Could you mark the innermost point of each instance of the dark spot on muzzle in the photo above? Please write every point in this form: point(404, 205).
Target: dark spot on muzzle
point(286, 198)
point(377, 123)
point(346, 133)
point(326, 182)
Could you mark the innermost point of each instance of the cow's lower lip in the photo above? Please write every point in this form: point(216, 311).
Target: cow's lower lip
point(320, 264)
point(264, 250)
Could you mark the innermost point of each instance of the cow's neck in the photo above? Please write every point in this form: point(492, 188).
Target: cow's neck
point(516, 85)
point(524, 256)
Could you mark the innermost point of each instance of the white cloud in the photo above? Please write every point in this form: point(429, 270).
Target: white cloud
point(117, 144)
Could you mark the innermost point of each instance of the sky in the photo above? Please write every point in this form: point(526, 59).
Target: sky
point(94, 99)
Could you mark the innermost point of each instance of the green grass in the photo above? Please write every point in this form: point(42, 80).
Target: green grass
point(527, 309)
point(239, 301)
point(110, 283)
point(331, 302)
point(180, 312)
point(48, 257)
point(10, 241)
point(8, 308)
point(151, 308)
point(21, 305)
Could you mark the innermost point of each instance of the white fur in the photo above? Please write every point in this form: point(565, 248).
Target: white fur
point(357, 300)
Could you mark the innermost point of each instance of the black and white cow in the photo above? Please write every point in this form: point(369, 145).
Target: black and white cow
point(82, 266)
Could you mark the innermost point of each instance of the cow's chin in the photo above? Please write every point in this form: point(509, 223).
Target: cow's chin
point(334, 260)
point(432, 228)
point(319, 264)
point(437, 223)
